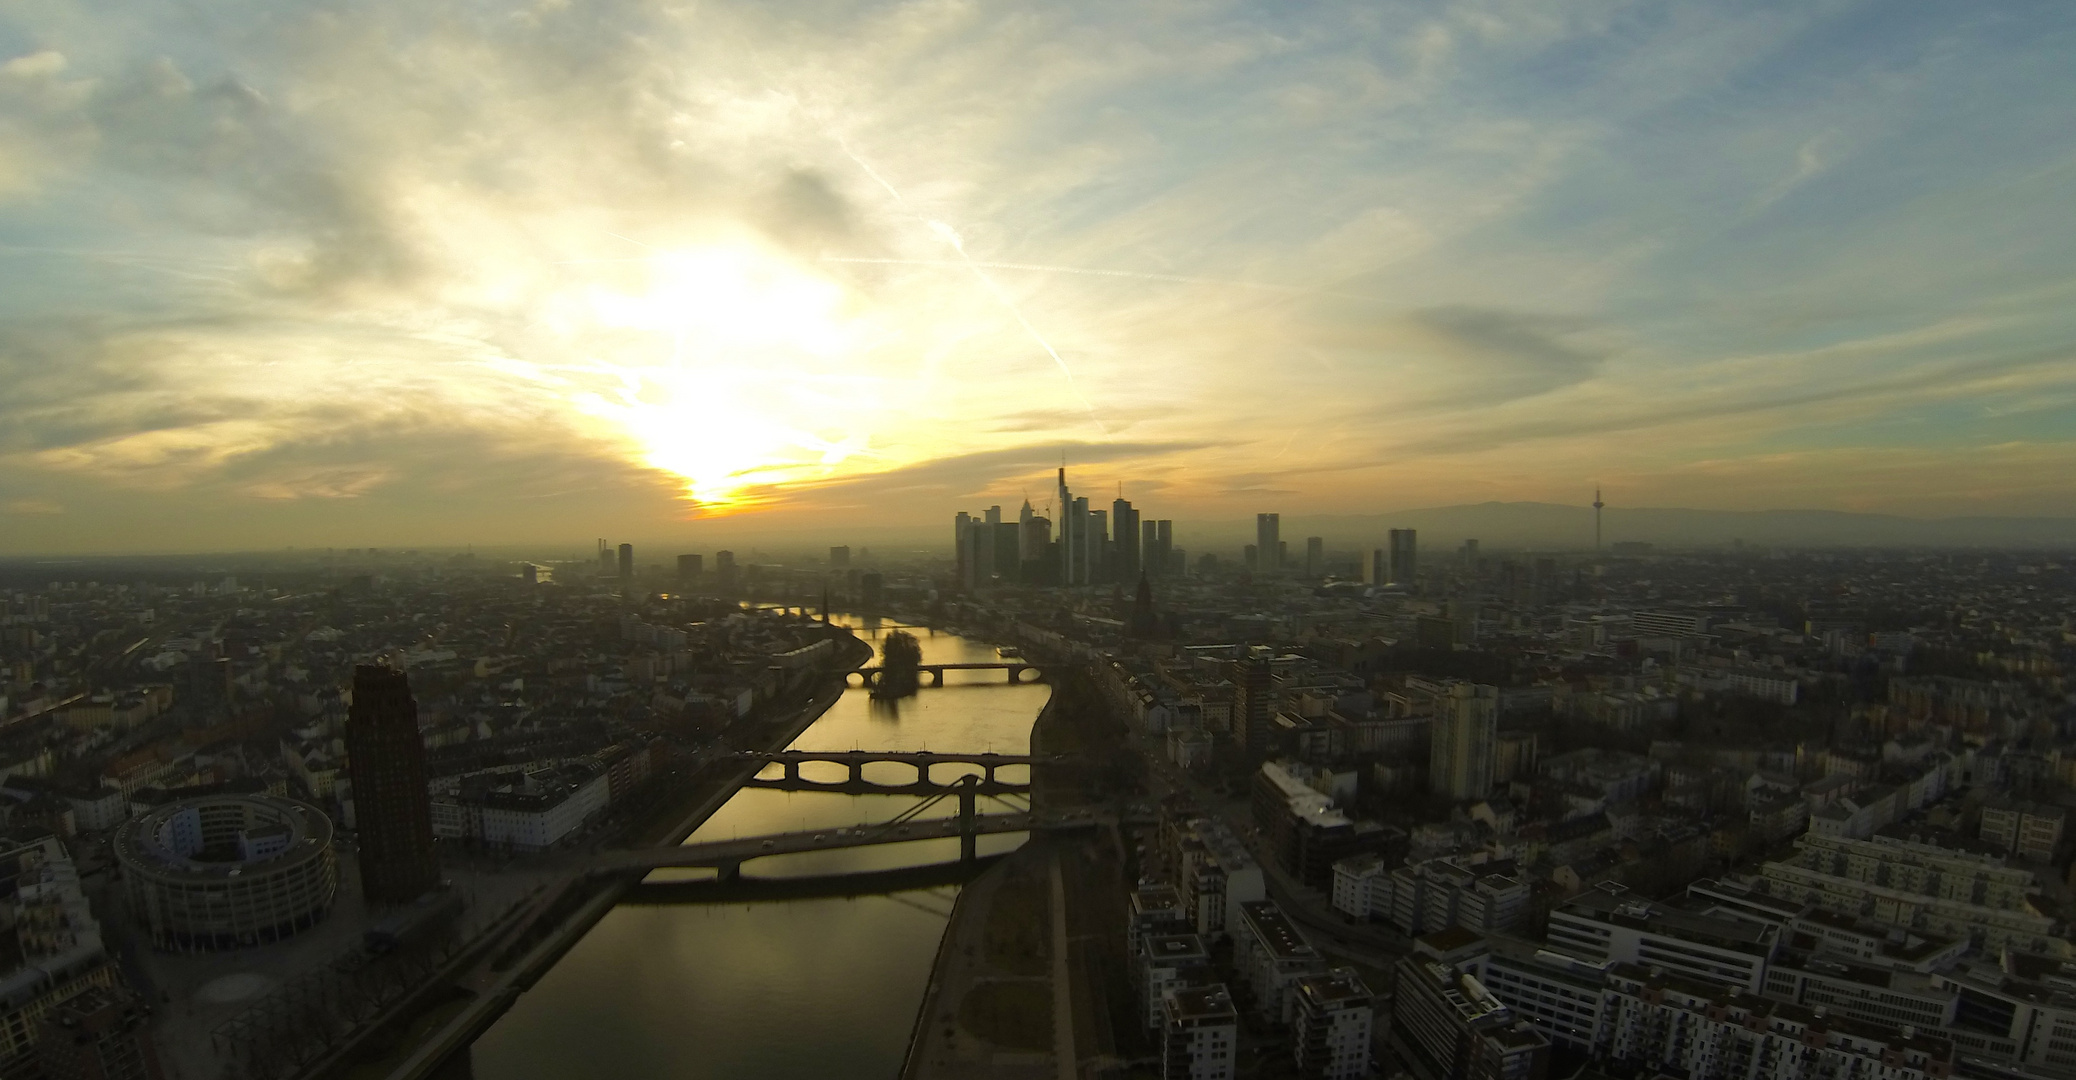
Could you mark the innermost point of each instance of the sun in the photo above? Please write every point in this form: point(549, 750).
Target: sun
point(734, 369)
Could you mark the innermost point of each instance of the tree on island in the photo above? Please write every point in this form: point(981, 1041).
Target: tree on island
point(899, 657)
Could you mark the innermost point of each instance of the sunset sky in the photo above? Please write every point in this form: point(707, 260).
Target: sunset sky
point(388, 272)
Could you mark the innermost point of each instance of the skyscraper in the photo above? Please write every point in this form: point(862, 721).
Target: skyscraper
point(1404, 549)
point(1124, 526)
point(1268, 542)
point(605, 557)
point(689, 569)
point(626, 563)
point(1380, 567)
point(1255, 710)
point(839, 556)
point(1098, 546)
point(1008, 541)
point(987, 561)
point(1078, 521)
point(1466, 724)
point(391, 808)
point(1036, 543)
point(1164, 537)
point(1069, 549)
point(724, 569)
point(962, 548)
point(1150, 548)
point(1315, 556)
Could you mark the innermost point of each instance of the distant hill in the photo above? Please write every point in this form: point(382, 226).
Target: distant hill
point(1549, 525)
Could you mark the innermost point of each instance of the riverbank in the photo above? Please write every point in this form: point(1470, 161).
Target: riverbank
point(990, 1007)
point(1079, 986)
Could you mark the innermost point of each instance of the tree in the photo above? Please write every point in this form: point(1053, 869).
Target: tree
point(899, 657)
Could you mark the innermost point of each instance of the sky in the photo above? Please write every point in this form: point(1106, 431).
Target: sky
point(385, 272)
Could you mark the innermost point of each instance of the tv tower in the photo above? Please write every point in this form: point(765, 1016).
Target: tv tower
point(1597, 504)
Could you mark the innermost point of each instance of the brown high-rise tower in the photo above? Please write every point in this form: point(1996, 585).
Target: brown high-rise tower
point(391, 808)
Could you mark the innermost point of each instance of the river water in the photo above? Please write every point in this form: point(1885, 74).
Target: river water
point(796, 988)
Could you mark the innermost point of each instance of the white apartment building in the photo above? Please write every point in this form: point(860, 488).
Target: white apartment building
point(1915, 884)
point(1660, 1020)
point(1331, 1029)
point(1200, 1032)
point(1477, 894)
point(1606, 925)
point(1272, 956)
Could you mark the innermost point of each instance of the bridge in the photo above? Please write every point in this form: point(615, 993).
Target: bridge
point(856, 760)
point(1017, 670)
point(727, 856)
point(812, 887)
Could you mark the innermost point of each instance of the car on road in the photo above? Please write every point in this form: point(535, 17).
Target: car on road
point(820, 837)
point(769, 844)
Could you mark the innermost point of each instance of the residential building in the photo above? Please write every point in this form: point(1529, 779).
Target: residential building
point(1167, 963)
point(1607, 924)
point(1649, 1020)
point(1332, 1026)
point(1466, 724)
point(2027, 830)
point(102, 1034)
point(1272, 956)
point(1935, 883)
point(1447, 1025)
point(1470, 891)
point(1307, 833)
point(53, 944)
point(1200, 1033)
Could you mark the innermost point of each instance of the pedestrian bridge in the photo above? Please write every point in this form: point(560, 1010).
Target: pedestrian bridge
point(933, 674)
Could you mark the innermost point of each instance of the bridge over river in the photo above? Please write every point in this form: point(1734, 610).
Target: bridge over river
point(1019, 671)
point(727, 856)
point(856, 760)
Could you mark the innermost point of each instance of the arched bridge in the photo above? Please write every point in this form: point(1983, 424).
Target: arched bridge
point(933, 674)
point(856, 760)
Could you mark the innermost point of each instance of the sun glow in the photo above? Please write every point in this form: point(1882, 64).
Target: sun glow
point(734, 370)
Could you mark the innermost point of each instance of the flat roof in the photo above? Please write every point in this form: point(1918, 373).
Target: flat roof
point(1722, 931)
point(1342, 987)
point(1275, 930)
point(1176, 948)
point(1200, 1003)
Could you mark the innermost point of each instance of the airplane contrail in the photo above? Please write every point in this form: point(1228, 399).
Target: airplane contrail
point(950, 236)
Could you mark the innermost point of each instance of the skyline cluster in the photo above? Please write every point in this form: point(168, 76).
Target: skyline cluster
point(367, 275)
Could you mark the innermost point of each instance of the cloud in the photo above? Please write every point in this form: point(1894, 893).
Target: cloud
point(361, 259)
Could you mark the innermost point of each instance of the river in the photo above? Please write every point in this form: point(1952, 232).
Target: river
point(798, 988)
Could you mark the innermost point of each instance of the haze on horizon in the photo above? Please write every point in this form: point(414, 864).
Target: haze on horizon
point(335, 274)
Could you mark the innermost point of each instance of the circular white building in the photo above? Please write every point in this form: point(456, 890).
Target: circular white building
point(228, 871)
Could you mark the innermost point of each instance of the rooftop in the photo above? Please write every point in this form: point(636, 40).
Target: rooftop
point(1274, 930)
point(1200, 1004)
